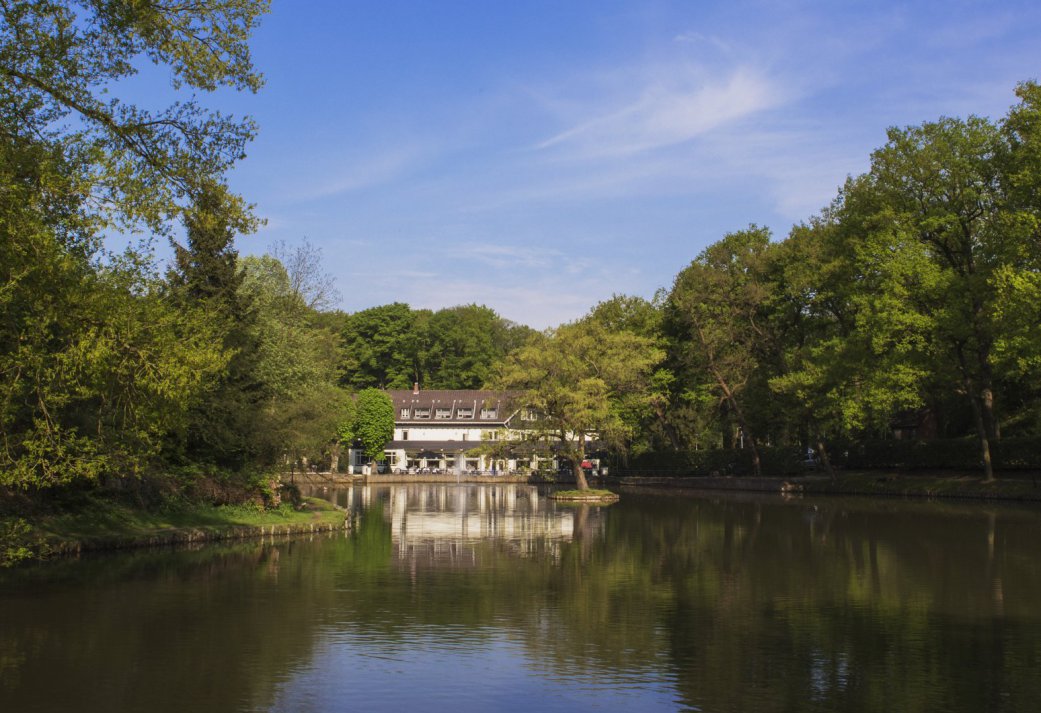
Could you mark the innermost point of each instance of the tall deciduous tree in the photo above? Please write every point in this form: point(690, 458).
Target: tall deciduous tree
point(852, 351)
point(716, 311)
point(580, 381)
point(294, 360)
point(936, 191)
point(461, 346)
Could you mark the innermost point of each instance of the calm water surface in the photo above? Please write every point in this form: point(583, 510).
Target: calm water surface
point(483, 598)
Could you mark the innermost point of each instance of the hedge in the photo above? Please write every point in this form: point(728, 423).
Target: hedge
point(943, 454)
point(960, 454)
point(775, 461)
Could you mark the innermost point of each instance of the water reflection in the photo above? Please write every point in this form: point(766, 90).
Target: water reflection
point(454, 522)
point(494, 598)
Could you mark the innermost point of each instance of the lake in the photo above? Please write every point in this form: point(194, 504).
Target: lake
point(495, 598)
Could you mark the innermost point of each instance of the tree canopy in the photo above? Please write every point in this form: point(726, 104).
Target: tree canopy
point(582, 381)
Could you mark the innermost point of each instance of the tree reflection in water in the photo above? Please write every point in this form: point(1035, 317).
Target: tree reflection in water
point(463, 597)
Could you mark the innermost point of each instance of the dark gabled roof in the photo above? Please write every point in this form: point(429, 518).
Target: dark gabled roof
point(457, 400)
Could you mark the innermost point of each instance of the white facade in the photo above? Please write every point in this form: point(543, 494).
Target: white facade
point(457, 431)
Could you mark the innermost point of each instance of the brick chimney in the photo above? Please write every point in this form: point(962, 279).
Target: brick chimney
point(415, 388)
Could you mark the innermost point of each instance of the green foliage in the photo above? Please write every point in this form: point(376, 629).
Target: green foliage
point(294, 360)
point(393, 346)
point(61, 62)
point(224, 424)
point(102, 365)
point(718, 321)
point(20, 542)
point(854, 348)
point(462, 345)
point(374, 421)
point(98, 371)
point(380, 348)
point(581, 381)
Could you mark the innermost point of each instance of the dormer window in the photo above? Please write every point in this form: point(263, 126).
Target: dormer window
point(529, 414)
point(464, 413)
point(404, 413)
point(489, 413)
point(443, 413)
point(422, 412)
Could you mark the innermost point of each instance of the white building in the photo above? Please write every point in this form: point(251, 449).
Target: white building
point(459, 431)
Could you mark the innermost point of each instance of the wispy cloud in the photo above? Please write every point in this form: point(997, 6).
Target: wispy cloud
point(697, 38)
point(507, 256)
point(670, 110)
point(360, 172)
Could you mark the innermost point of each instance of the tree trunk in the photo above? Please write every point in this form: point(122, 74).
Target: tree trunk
point(334, 458)
point(981, 431)
point(576, 465)
point(979, 416)
point(825, 460)
point(580, 477)
point(729, 395)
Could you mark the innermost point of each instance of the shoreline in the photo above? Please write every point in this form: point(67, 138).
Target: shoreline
point(1019, 487)
point(108, 526)
point(877, 484)
point(50, 542)
point(191, 535)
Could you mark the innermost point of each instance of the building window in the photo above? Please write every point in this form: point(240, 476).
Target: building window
point(487, 413)
point(404, 435)
point(466, 436)
point(491, 435)
point(464, 413)
point(443, 413)
point(529, 414)
point(422, 413)
point(404, 413)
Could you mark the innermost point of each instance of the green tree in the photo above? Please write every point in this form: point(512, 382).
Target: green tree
point(463, 345)
point(652, 417)
point(61, 62)
point(96, 359)
point(374, 422)
point(346, 419)
point(716, 313)
point(225, 425)
point(294, 362)
point(1018, 283)
point(580, 382)
point(936, 191)
point(380, 348)
point(852, 354)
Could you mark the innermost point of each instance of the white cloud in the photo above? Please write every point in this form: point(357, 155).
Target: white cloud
point(697, 38)
point(359, 172)
point(507, 256)
point(674, 109)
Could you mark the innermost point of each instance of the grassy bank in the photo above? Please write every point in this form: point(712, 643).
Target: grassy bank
point(99, 523)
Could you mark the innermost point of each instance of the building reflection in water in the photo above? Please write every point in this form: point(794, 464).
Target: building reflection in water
point(447, 522)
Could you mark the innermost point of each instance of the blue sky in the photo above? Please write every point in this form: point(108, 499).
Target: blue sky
point(539, 156)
